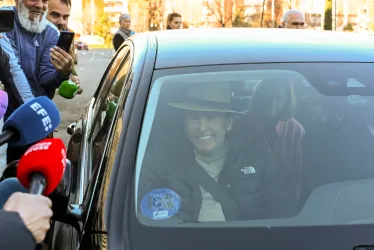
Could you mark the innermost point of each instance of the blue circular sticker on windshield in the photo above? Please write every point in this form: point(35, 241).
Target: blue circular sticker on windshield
point(160, 204)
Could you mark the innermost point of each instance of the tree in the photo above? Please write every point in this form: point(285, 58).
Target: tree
point(155, 14)
point(240, 19)
point(348, 27)
point(328, 15)
point(102, 29)
point(226, 15)
point(293, 4)
point(263, 12)
point(278, 11)
point(216, 8)
point(149, 14)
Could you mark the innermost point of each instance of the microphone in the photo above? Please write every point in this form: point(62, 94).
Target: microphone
point(31, 122)
point(3, 103)
point(42, 166)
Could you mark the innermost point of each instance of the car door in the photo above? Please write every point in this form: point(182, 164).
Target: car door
point(100, 141)
point(98, 194)
point(78, 149)
point(89, 138)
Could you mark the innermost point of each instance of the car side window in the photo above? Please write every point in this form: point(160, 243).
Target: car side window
point(106, 106)
point(106, 83)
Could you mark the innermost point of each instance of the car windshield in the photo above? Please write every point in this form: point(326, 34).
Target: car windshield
point(258, 145)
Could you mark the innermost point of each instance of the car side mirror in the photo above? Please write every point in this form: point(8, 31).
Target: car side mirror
point(71, 128)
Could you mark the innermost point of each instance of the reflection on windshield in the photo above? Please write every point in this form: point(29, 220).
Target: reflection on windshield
point(250, 145)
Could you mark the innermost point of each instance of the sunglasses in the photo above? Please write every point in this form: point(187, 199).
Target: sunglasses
point(298, 24)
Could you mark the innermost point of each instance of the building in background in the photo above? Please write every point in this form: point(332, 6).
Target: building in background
point(76, 17)
point(114, 8)
point(92, 10)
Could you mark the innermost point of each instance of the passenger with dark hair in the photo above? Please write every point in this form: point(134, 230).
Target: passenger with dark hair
point(272, 123)
point(58, 14)
point(174, 21)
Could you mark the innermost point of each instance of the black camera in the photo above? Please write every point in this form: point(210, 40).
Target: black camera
point(6, 20)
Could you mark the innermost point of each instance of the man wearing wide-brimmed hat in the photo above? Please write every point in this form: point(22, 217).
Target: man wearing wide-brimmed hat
point(224, 178)
point(208, 117)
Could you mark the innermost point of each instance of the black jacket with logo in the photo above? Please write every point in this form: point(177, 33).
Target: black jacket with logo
point(251, 185)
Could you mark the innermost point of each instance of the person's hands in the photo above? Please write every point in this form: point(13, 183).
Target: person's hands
point(75, 79)
point(34, 210)
point(62, 61)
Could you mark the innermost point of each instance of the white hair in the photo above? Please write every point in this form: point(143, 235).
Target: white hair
point(124, 17)
point(36, 26)
point(290, 12)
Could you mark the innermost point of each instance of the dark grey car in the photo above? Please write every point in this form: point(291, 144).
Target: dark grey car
point(132, 135)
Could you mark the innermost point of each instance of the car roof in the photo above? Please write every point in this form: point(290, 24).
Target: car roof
point(214, 46)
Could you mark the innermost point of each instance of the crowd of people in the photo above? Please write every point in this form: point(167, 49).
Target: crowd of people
point(31, 65)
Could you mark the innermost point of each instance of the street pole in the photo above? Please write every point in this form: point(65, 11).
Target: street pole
point(345, 12)
point(92, 16)
point(336, 17)
point(358, 17)
point(272, 12)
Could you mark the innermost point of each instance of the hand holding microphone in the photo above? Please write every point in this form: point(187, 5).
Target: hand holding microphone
point(34, 210)
point(40, 170)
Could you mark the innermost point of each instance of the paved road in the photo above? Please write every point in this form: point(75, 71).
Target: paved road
point(91, 66)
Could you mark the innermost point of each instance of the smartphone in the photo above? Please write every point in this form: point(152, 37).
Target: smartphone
point(6, 20)
point(65, 40)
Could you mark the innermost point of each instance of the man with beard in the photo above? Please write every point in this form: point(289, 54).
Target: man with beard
point(58, 14)
point(46, 66)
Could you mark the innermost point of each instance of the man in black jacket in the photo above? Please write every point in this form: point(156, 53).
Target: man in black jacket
point(208, 170)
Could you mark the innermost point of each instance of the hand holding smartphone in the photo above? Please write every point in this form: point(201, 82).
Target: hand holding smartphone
point(61, 59)
point(6, 20)
point(65, 40)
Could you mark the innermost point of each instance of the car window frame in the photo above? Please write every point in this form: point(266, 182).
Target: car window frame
point(106, 72)
point(87, 202)
point(87, 124)
point(102, 96)
point(107, 80)
point(266, 238)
